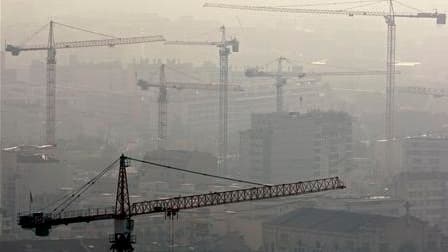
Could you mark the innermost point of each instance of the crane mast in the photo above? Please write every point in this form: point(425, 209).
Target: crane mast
point(223, 128)
point(122, 238)
point(163, 110)
point(50, 122)
point(280, 82)
point(390, 88)
point(124, 210)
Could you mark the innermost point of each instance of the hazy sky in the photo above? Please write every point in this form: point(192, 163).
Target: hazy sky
point(15, 10)
point(20, 18)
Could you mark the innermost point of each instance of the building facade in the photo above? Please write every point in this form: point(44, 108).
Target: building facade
point(312, 230)
point(423, 178)
point(425, 154)
point(27, 174)
point(280, 147)
point(426, 193)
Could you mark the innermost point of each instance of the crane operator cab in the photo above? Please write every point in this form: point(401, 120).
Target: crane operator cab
point(37, 221)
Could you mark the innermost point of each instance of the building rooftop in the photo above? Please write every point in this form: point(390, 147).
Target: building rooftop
point(423, 175)
point(428, 137)
point(67, 245)
point(331, 220)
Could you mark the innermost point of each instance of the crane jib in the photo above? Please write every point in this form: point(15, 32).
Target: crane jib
point(440, 18)
point(15, 50)
point(43, 222)
point(236, 196)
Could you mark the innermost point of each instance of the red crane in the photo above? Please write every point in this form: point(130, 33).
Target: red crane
point(124, 210)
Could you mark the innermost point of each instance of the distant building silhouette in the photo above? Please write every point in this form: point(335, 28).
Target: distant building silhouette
point(311, 229)
point(282, 147)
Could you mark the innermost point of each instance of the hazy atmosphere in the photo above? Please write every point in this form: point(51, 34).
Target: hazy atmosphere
point(260, 126)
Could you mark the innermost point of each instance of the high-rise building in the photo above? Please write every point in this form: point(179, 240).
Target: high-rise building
point(425, 154)
point(27, 171)
point(423, 178)
point(280, 147)
point(8, 192)
point(426, 194)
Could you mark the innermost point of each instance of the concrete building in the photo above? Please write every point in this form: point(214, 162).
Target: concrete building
point(427, 194)
point(310, 229)
point(25, 171)
point(8, 192)
point(199, 111)
point(425, 153)
point(282, 147)
point(423, 178)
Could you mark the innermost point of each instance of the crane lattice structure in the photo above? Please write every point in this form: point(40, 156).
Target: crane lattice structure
point(225, 48)
point(163, 85)
point(51, 47)
point(281, 77)
point(124, 210)
point(391, 45)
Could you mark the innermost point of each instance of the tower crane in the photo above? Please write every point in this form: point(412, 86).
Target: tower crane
point(51, 47)
point(122, 213)
point(391, 42)
point(225, 48)
point(281, 77)
point(163, 85)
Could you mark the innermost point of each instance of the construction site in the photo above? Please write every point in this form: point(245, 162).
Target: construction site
point(258, 126)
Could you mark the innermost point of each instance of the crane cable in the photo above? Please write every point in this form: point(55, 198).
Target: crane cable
point(85, 30)
point(184, 73)
point(33, 35)
point(408, 6)
point(85, 187)
point(65, 25)
point(196, 172)
point(70, 197)
point(329, 3)
point(364, 5)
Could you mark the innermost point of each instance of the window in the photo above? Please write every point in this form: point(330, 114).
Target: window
point(384, 247)
point(317, 247)
point(299, 247)
point(349, 246)
point(336, 247)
